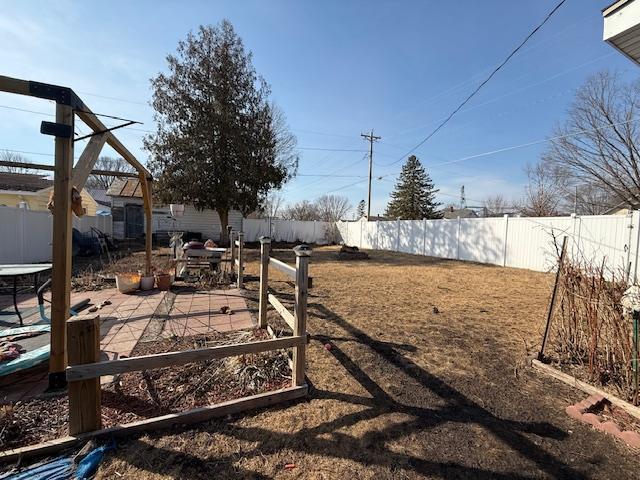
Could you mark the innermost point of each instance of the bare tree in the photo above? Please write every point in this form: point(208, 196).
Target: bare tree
point(303, 210)
point(7, 156)
point(332, 208)
point(108, 163)
point(271, 206)
point(544, 192)
point(598, 144)
point(495, 205)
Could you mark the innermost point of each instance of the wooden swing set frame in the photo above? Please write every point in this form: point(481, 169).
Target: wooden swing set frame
point(76, 359)
point(65, 177)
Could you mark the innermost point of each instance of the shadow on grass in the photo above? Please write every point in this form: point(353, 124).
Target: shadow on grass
point(371, 448)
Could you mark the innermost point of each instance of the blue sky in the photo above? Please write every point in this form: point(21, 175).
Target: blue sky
point(337, 69)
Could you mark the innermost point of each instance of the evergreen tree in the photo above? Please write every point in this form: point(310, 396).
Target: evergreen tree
point(362, 205)
point(220, 143)
point(414, 194)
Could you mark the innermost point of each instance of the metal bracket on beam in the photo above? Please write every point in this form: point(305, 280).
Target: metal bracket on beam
point(56, 129)
point(62, 95)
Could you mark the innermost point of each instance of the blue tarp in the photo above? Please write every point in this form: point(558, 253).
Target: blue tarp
point(61, 468)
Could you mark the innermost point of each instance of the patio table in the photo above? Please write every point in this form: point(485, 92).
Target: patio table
point(14, 271)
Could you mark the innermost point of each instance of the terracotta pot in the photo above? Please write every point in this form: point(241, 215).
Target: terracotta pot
point(146, 282)
point(164, 281)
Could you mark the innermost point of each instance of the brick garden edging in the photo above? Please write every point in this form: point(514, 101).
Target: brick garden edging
point(582, 411)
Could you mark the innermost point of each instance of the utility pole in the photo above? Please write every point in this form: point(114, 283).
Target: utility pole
point(463, 198)
point(372, 138)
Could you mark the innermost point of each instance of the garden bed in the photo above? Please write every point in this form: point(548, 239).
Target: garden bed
point(145, 394)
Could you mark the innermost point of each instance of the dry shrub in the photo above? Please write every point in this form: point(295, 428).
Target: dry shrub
point(590, 327)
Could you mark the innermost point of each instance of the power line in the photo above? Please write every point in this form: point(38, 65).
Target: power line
point(527, 144)
point(479, 87)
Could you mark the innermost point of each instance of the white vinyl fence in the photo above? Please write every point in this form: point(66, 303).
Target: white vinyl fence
point(522, 242)
point(25, 235)
point(287, 230)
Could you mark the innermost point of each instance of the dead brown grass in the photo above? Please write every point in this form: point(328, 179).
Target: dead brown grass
point(401, 391)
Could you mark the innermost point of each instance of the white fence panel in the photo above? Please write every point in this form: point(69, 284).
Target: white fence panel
point(25, 235)
point(286, 230)
point(481, 240)
point(101, 222)
point(521, 242)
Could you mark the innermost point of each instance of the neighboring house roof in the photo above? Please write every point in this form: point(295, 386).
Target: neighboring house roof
point(461, 212)
point(630, 204)
point(23, 182)
point(100, 196)
point(129, 187)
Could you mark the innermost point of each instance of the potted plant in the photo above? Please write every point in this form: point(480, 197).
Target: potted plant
point(164, 280)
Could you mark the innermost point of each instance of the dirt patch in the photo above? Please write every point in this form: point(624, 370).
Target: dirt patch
point(405, 390)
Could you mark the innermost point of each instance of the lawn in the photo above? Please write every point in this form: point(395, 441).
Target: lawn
point(417, 368)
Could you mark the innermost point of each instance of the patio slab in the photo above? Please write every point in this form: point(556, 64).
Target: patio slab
point(122, 323)
point(199, 313)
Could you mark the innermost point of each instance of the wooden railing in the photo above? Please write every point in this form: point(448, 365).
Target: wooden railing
point(297, 320)
point(85, 369)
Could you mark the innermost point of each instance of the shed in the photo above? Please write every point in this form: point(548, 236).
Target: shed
point(128, 218)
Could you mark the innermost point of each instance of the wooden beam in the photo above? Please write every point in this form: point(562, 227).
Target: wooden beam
point(88, 117)
point(87, 160)
point(286, 315)
point(61, 241)
point(52, 168)
point(66, 96)
point(585, 387)
point(14, 85)
point(128, 430)
point(148, 217)
point(146, 362)
point(84, 395)
point(283, 267)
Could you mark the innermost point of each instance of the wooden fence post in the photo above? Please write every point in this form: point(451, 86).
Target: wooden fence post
point(265, 250)
point(303, 253)
point(84, 395)
point(240, 259)
point(554, 293)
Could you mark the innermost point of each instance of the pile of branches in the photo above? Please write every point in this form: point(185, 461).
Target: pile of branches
point(591, 329)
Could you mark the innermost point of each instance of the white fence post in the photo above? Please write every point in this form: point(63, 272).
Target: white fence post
point(398, 235)
point(458, 241)
point(636, 224)
point(424, 237)
point(506, 236)
point(22, 228)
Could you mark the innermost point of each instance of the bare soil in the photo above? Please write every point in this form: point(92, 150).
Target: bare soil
point(417, 371)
